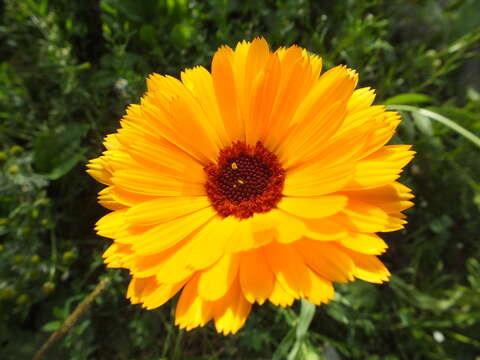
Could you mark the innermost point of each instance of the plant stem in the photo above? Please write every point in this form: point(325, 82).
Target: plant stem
point(72, 319)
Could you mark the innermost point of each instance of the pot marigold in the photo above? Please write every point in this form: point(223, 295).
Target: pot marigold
point(260, 180)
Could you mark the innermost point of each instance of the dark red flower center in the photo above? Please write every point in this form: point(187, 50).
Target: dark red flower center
point(245, 180)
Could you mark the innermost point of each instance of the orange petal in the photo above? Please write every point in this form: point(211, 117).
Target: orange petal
point(326, 260)
point(256, 277)
point(289, 268)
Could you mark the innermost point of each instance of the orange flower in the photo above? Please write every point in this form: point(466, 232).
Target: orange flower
point(263, 179)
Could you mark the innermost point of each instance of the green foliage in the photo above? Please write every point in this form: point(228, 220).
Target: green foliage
point(67, 71)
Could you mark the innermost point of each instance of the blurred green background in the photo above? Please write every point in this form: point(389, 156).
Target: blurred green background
point(69, 68)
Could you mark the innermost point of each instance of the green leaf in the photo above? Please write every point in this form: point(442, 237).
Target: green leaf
point(148, 34)
point(55, 154)
point(182, 34)
point(51, 326)
point(441, 119)
point(423, 123)
point(409, 98)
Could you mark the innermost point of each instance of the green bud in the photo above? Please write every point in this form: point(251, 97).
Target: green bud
point(35, 213)
point(48, 287)
point(68, 256)
point(45, 222)
point(16, 150)
point(33, 274)
point(14, 169)
point(25, 230)
point(3, 221)
point(23, 299)
point(7, 293)
point(35, 259)
point(18, 259)
point(42, 202)
point(3, 157)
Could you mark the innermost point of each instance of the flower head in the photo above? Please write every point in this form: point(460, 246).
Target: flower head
point(260, 180)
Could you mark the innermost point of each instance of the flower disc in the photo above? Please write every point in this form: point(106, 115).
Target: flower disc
point(246, 180)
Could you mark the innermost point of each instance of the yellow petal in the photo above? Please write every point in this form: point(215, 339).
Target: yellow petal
point(167, 234)
point(106, 199)
point(326, 260)
point(161, 156)
point(360, 99)
point(226, 92)
point(391, 198)
point(370, 244)
point(192, 310)
point(127, 198)
point(394, 223)
point(242, 238)
point(316, 179)
point(256, 277)
point(194, 130)
point(289, 268)
point(164, 209)
point(151, 184)
point(111, 224)
point(315, 62)
point(308, 136)
point(215, 281)
point(161, 295)
point(324, 229)
point(138, 288)
point(343, 149)
point(256, 60)
point(168, 266)
point(264, 95)
point(381, 168)
point(111, 141)
point(334, 85)
point(280, 297)
point(209, 244)
point(368, 116)
point(313, 208)
point(99, 169)
point(116, 254)
point(200, 82)
point(175, 114)
point(282, 226)
point(297, 78)
point(231, 311)
point(320, 290)
point(369, 268)
point(362, 217)
point(385, 128)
